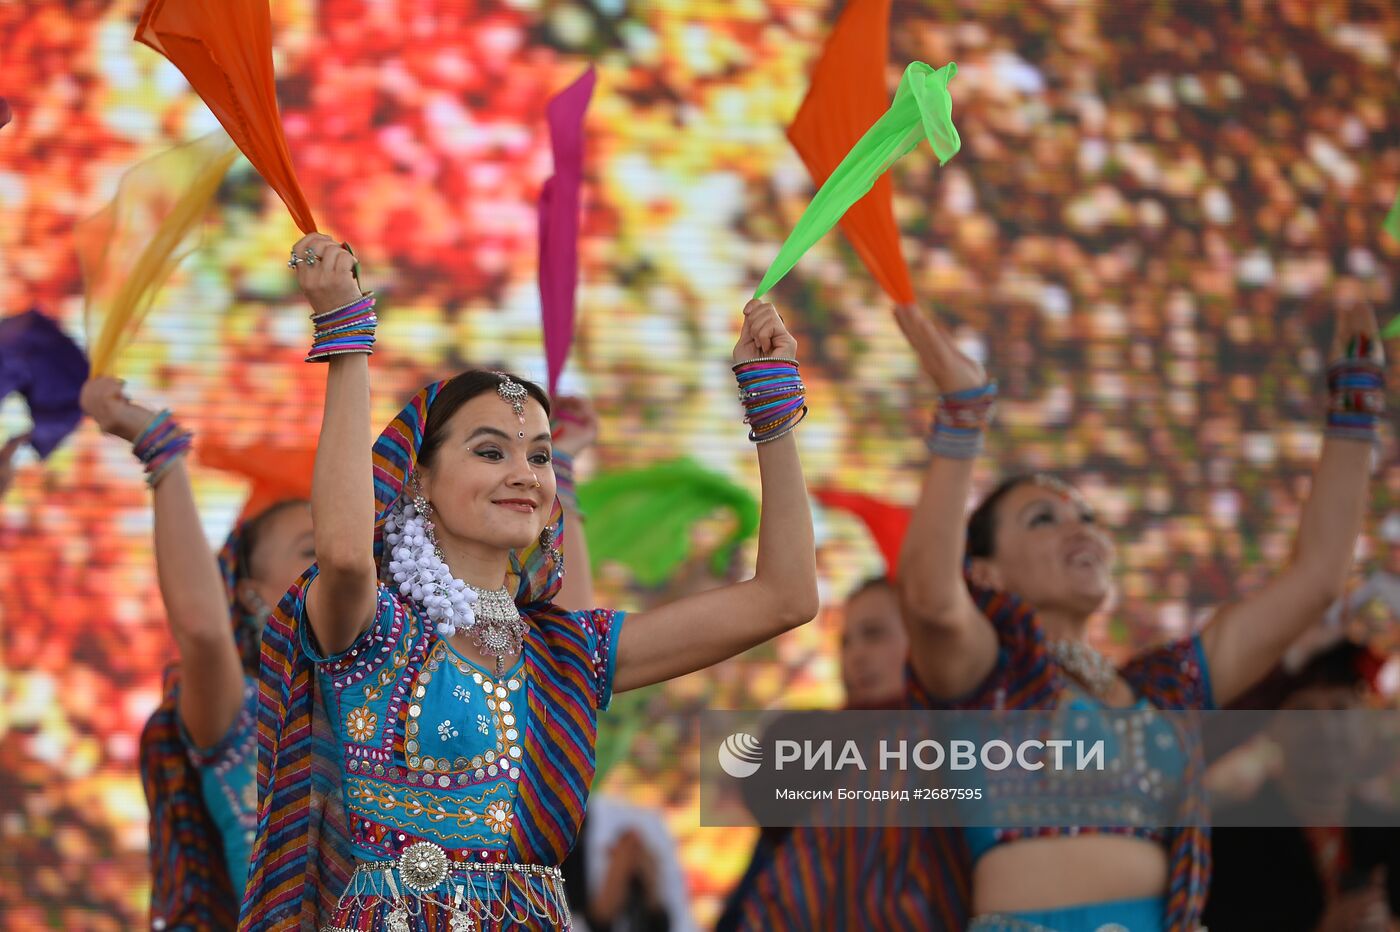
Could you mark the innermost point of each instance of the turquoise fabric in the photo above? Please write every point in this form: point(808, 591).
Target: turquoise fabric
point(1154, 758)
point(228, 779)
point(1145, 915)
point(453, 777)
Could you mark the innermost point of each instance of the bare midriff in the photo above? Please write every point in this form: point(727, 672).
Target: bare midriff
point(1047, 873)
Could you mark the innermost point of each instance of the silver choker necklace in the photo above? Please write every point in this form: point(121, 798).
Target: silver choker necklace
point(499, 629)
point(1085, 664)
point(452, 606)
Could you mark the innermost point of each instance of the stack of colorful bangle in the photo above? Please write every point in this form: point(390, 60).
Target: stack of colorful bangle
point(773, 395)
point(565, 486)
point(961, 418)
point(1356, 393)
point(160, 445)
point(347, 329)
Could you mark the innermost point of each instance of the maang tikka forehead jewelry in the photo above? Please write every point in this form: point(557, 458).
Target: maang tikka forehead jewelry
point(513, 394)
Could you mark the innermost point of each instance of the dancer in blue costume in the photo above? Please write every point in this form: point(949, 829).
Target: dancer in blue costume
point(997, 611)
point(198, 750)
point(428, 711)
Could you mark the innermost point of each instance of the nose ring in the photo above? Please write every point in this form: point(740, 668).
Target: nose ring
point(537, 481)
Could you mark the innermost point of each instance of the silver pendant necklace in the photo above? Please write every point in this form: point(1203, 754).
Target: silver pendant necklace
point(499, 629)
point(1085, 664)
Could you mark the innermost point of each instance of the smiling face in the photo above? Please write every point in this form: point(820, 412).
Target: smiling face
point(1048, 550)
point(491, 489)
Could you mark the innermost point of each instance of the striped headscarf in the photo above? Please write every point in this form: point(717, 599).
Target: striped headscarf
point(395, 457)
point(302, 858)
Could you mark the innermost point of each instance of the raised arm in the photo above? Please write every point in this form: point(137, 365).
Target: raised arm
point(701, 630)
point(196, 602)
point(1346, 606)
point(7, 461)
point(1245, 639)
point(340, 602)
point(952, 645)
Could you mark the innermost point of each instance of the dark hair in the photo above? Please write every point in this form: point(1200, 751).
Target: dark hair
point(982, 526)
point(252, 534)
point(874, 582)
point(1343, 664)
point(457, 392)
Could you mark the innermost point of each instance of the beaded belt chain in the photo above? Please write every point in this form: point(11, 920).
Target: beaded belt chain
point(424, 873)
point(995, 922)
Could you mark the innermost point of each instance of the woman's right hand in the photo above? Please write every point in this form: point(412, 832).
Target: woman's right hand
point(104, 400)
point(329, 283)
point(764, 334)
point(951, 369)
point(575, 424)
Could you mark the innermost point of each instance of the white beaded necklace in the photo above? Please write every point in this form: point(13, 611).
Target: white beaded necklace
point(422, 574)
point(1085, 664)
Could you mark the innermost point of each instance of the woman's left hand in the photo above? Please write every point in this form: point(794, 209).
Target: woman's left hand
point(575, 424)
point(1355, 321)
point(764, 334)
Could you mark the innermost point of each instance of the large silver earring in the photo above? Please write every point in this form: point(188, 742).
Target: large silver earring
point(258, 609)
point(425, 511)
point(415, 491)
point(259, 604)
point(548, 545)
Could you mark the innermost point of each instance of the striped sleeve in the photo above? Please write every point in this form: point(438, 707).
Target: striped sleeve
point(375, 632)
point(601, 627)
point(1175, 675)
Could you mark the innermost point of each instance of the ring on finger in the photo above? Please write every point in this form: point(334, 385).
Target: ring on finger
point(311, 257)
point(294, 261)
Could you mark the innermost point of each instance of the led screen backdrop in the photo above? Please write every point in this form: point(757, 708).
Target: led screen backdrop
point(1153, 205)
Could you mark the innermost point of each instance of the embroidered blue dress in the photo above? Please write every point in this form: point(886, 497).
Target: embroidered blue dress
point(431, 742)
point(337, 786)
point(431, 748)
